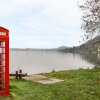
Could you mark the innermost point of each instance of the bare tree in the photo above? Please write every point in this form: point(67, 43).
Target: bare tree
point(91, 17)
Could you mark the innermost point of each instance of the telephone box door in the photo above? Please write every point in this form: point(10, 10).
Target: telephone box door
point(4, 62)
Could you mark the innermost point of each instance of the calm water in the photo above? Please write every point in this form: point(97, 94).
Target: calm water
point(33, 62)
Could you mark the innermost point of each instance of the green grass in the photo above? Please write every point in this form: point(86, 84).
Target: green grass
point(78, 85)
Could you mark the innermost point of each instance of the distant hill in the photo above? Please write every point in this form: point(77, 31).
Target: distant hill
point(32, 49)
point(65, 49)
point(61, 48)
point(92, 45)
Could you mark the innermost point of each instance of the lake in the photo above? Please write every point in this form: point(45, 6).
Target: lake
point(34, 62)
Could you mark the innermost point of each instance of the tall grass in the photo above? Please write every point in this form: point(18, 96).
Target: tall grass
point(83, 84)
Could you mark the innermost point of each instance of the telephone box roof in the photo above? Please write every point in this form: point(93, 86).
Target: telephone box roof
point(2, 29)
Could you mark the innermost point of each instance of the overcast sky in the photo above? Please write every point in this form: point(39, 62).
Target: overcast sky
point(41, 23)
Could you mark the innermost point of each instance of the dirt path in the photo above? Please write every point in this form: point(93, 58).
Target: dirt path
point(42, 79)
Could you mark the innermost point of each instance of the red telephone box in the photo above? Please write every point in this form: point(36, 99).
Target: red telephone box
point(4, 61)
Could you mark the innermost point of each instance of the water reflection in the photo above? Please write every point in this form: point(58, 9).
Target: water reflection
point(99, 56)
point(94, 58)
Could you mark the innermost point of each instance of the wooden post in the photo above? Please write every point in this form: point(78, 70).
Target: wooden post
point(25, 74)
point(20, 72)
point(16, 74)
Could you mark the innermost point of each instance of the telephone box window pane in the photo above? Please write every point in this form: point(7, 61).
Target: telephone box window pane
point(2, 88)
point(3, 70)
point(2, 56)
point(2, 50)
point(3, 63)
point(0, 69)
point(0, 63)
point(0, 76)
point(0, 82)
point(2, 44)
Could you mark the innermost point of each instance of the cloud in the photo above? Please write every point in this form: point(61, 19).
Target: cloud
point(12, 7)
point(56, 15)
point(35, 21)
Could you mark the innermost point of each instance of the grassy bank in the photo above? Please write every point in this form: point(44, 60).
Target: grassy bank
point(78, 85)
